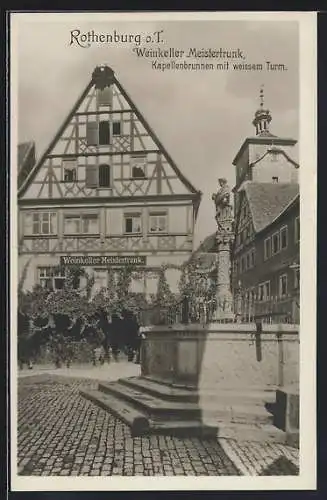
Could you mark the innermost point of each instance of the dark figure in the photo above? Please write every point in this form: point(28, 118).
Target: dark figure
point(130, 332)
point(115, 336)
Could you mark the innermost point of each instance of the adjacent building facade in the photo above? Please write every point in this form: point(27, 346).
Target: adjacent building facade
point(265, 254)
point(105, 186)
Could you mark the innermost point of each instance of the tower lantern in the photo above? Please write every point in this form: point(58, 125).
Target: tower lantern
point(262, 117)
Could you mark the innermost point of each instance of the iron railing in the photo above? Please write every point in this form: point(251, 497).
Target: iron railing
point(244, 310)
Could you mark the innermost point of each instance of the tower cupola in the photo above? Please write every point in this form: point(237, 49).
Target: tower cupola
point(262, 118)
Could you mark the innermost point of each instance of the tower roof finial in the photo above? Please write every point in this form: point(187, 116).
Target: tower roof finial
point(262, 96)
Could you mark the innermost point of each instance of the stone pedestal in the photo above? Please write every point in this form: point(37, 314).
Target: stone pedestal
point(222, 355)
point(206, 381)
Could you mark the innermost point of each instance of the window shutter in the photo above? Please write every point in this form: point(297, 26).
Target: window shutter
point(104, 132)
point(92, 133)
point(116, 128)
point(91, 176)
point(104, 176)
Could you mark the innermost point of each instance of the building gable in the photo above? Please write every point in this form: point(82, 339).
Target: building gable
point(274, 165)
point(105, 149)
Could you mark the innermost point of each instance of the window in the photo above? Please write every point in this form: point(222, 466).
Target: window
point(158, 223)
point(44, 223)
point(80, 224)
point(116, 128)
point(138, 172)
point(275, 243)
point(248, 265)
point(133, 223)
point(283, 237)
point(283, 285)
point(69, 170)
point(98, 176)
point(104, 176)
point(90, 223)
point(297, 229)
point(138, 166)
point(51, 277)
point(98, 133)
point(267, 248)
point(264, 291)
point(104, 133)
point(275, 180)
point(72, 224)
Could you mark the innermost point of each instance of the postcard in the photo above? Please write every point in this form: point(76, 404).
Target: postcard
point(163, 203)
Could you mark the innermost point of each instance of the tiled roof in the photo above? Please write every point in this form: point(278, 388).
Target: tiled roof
point(267, 201)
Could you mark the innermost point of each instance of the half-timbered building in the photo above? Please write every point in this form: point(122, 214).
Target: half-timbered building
point(105, 186)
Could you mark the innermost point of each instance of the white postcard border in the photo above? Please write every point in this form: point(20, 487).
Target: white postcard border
point(308, 162)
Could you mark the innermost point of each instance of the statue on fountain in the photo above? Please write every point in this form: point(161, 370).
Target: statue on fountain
point(222, 202)
point(222, 197)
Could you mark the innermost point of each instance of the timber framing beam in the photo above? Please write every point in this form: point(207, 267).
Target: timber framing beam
point(104, 200)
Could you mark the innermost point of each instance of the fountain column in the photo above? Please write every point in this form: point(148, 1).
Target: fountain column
point(224, 239)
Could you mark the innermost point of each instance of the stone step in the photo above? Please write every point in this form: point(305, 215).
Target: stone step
point(141, 425)
point(207, 385)
point(163, 391)
point(152, 405)
point(159, 409)
point(135, 419)
point(222, 394)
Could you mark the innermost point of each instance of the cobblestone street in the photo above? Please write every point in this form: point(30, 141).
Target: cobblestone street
point(61, 433)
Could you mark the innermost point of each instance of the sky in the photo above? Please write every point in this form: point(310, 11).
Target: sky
point(201, 117)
